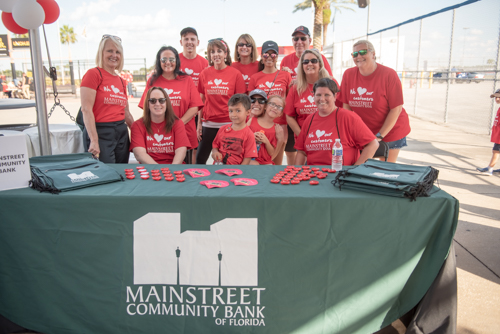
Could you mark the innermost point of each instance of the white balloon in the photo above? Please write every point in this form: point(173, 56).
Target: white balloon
point(7, 5)
point(28, 14)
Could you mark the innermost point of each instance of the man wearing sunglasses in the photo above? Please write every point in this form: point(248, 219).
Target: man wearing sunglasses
point(301, 40)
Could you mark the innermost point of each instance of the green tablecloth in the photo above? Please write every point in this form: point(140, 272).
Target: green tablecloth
point(309, 259)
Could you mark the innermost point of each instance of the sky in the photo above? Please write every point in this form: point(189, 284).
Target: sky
point(145, 26)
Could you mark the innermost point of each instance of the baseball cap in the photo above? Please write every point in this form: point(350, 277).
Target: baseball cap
point(188, 30)
point(270, 45)
point(259, 92)
point(496, 93)
point(301, 29)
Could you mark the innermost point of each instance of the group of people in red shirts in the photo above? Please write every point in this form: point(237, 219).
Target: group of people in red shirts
point(249, 111)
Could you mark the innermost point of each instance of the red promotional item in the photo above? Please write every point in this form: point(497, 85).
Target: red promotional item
point(214, 184)
point(321, 176)
point(313, 183)
point(295, 182)
point(285, 182)
point(244, 182)
point(181, 179)
point(197, 172)
point(178, 172)
point(145, 176)
point(229, 171)
point(131, 177)
point(156, 178)
point(332, 171)
point(169, 178)
point(275, 181)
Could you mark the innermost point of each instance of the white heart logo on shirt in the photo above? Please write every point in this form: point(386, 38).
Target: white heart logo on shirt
point(269, 84)
point(319, 133)
point(296, 69)
point(160, 137)
point(116, 90)
point(361, 91)
point(170, 91)
point(310, 98)
point(217, 81)
point(188, 71)
point(245, 76)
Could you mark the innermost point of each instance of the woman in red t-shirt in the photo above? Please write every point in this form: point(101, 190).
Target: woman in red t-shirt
point(217, 84)
point(180, 88)
point(273, 82)
point(330, 123)
point(374, 92)
point(105, 106)
point(159, 137)
point(245, 56)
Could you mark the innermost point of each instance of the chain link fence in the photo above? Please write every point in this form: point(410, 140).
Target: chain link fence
point(449, 64)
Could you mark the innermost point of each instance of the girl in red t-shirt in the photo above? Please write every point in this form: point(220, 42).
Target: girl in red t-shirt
point(245, 56)
point(159, 137)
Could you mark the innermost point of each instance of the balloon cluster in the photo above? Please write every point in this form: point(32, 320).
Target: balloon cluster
point(20, 15)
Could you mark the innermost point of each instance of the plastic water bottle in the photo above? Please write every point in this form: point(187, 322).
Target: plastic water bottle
point(337, 154)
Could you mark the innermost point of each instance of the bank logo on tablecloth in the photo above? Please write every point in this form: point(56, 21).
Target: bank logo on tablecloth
point(226, 255)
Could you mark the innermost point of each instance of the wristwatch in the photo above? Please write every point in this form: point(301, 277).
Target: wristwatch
point(379, 136)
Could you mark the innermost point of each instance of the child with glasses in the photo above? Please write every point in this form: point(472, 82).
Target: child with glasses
point(495, 138)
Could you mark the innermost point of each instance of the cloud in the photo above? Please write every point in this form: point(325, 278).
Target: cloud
point(273, 12)
point(476, 32)
point(92, 8)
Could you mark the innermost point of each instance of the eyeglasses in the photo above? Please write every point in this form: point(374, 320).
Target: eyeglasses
point(267, 55)
point(303, 39)
point(248, 45)
point(274, 105)
point(162, 100)
point(165, 59)
point(360, 52)
point(261, 101)
point(115, 37)
point(313, 61)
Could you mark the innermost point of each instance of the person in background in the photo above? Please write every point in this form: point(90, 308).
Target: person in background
point(105, 106)
point(320, 130)
point(130, 80)
point(274, 82)
point(26, 86)
point(217, 84)
point(301, 40)
point(245, 56)
point(495, 139)
point(373, 91)
point(159, 136)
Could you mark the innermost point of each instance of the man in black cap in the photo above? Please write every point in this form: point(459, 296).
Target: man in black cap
point(301, 40)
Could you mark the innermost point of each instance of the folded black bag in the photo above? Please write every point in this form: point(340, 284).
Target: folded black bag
point(65, 172)
point(390, 179)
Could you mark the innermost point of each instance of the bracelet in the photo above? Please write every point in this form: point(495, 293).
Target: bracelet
point(378, 135)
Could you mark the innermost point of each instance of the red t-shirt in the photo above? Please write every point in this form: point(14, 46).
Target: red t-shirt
point(318, 141)
point(218, 86)
point(161, 146)
point(292, 61)
point(373, 96)
point(300, 106)
point(246, 70)
point(193, 67)
point(495, 130)
point(280, 87)
point(110, 99)
point(264, 158)
point(235, 145)
point(183, 95)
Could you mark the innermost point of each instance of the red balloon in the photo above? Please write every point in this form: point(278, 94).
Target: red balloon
point(10, 24)
point(51, 9)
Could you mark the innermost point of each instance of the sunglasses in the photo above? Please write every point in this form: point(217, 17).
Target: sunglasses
point(115, 37)
point(267, 55)
point(274, 105)
point(360, 52)
point(162, 100)
point(303, 39)
point(164, 60)
point(248, 45)
point(313, 61)
point(261, 101)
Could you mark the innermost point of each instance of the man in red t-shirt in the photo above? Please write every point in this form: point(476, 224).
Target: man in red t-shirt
point(301, 40)
point(191, 62)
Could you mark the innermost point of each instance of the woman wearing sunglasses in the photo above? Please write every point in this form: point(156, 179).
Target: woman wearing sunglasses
point(217, 84)
point(300, 99)
point(159, 137)
point(245, 56)
point(180, 88)
point(374, 92)
point(273, 82)
point(105, 106)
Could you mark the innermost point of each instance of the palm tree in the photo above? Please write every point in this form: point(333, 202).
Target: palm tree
point(322, 15)
point(67, 36)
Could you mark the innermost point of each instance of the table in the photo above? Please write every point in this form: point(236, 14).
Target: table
point(14, 103)
point(260, 259)
point(64, 139)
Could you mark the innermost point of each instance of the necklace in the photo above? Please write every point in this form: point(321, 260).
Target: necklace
point(157, 128)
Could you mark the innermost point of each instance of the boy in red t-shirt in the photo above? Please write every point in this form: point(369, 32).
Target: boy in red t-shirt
point(495, 138)
point(235, 142)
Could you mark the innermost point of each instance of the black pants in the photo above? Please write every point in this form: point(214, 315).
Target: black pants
point(291, 140)
point(113, 142)
point(205, 145)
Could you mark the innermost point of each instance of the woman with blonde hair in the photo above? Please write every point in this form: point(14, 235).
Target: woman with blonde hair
point(245, 56)
point(105, 106)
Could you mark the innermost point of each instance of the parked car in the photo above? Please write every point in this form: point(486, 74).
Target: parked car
point(475, 77)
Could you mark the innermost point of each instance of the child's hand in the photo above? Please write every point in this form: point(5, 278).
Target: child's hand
point(260, 136)
point(217, 156)
point(280, 136)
